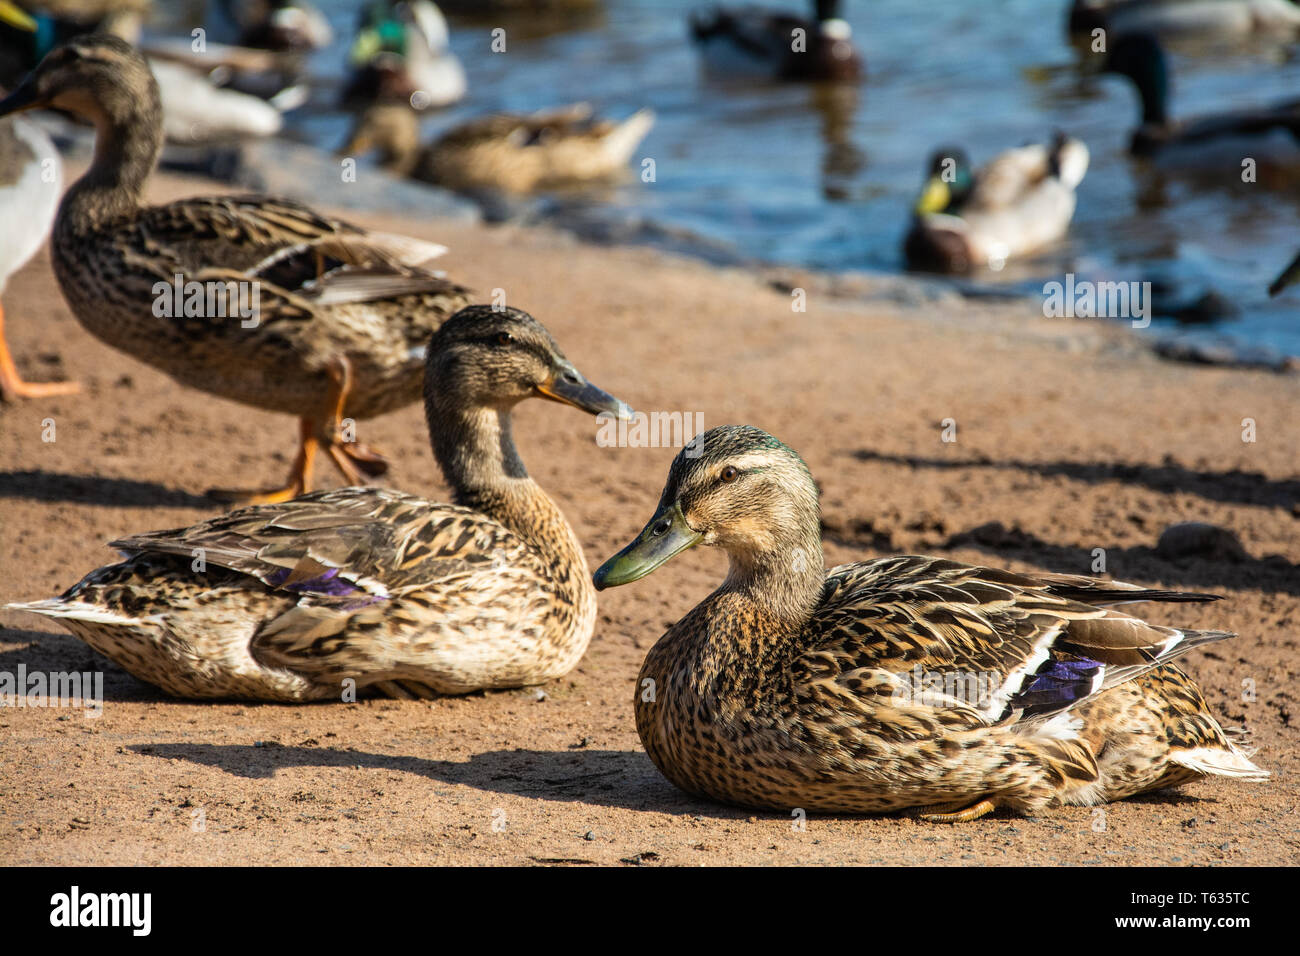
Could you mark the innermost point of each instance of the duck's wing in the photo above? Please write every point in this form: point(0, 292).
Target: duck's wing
point(987, 643)
point(757, 31)
point(1284, 116)
point(272, 240)
point(349, 552)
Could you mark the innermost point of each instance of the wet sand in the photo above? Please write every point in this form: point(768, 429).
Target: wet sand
point(1069, 438)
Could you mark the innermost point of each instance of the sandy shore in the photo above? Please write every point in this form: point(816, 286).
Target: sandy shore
point(1068, 437)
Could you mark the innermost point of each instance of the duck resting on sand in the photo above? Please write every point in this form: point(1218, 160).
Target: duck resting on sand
point(903, 682)
point(295, 312)
point(381, 588)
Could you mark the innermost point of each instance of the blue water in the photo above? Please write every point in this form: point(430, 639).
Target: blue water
point(799, 175)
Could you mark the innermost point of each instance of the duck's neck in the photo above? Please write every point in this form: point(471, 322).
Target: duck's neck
point(476, 452)
point(1152, 84)
point(784, 583)
point(126, 150)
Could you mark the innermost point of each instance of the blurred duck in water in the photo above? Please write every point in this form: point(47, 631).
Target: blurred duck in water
point(507, 152)
point(748, 40)
point(402, 54)
point(1225, 19)
point(1019, 203)
point(286, 26)
point(1218, 143)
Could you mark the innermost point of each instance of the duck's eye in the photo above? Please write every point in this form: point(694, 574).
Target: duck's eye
point(503, 338)
point(729, 474)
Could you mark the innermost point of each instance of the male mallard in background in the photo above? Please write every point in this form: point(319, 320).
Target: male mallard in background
point(1217, 143)
point(900, 682)
point(376, 586)
point(1019, 203)
point(777, 44)
point(341, 315)
point(1227, 19)
point(509, 152)
point(402, 53)
point(287, 26)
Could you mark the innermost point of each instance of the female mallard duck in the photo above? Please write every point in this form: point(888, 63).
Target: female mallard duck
point(1022, 201)
point(1218, 143)
point(903, 682)
point(779, 45)
point(402, 53)
point(290, 601)
point(515, 153)
point(1227, 19)
point(257, 300)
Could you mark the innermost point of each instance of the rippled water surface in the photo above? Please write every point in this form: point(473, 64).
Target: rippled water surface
point(825, 177)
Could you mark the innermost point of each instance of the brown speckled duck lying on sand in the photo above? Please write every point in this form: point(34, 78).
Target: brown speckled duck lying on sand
point(903, 682)
point(290, 601)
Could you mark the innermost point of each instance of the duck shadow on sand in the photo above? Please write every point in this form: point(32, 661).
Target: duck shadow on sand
point(1230, 487)
point(608, 778)
point(97, 490)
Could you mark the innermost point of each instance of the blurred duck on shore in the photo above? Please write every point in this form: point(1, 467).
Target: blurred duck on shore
point(1018, 204)
point(749, 40)
point(1216, 144)
point(401, 54)
point(1215, 19)
point(503, 152)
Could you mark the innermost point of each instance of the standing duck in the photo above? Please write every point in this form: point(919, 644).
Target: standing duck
point(258, 300)
point(507, 152)
point(777, 44)
point(1217, 143)
point(1018, 204)
point(402, 53)
point(292, 601)
point(903, 682)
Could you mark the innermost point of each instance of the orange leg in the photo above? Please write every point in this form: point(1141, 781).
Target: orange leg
point(11, 383)
point(355, 461)
point(954, 813)
point(299, 474)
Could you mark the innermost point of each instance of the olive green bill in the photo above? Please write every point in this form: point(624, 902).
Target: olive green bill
point(16, 17)
point(666, 536)
point(568, 387)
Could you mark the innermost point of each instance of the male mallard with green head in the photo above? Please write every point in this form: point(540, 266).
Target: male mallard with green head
point(294, 311)
point(777, 44)
point(402, 54)
point(289, 601)
point(903, 682)
point(1019, 203)
point(1217, 143)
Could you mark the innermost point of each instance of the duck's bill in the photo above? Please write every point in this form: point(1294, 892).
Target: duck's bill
point(934, 197)
point(12, 15)
point(666, 536)
point(570, 388)
point(1290, 275)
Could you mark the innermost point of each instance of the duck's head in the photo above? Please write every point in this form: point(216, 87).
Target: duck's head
point(390, 129)
point(734, 487)
point(98, 77)
point(948, 182)
point(1140, 57)
point(489, 358)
